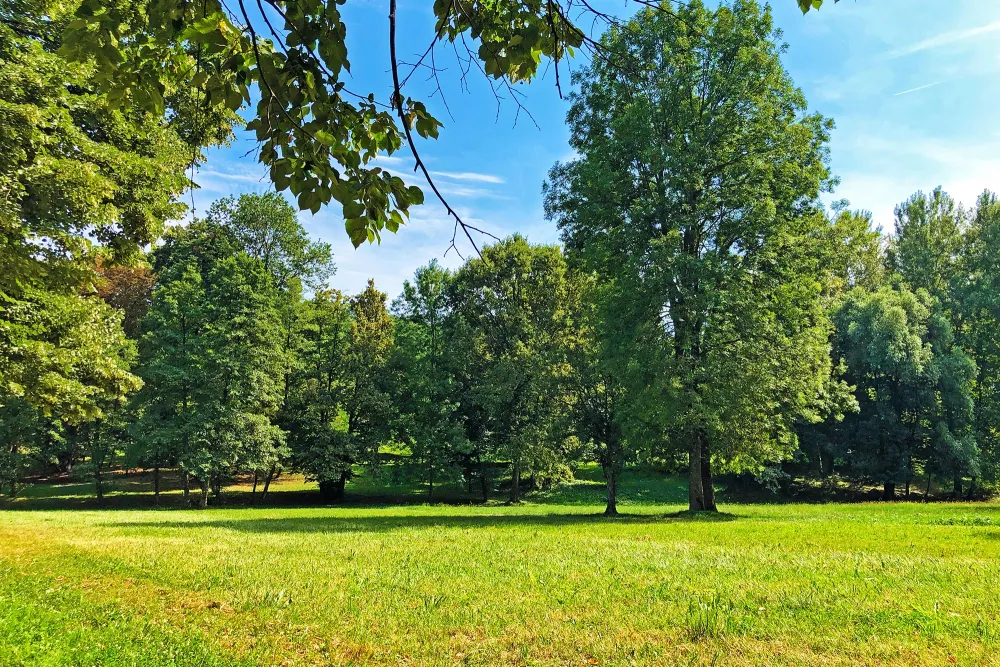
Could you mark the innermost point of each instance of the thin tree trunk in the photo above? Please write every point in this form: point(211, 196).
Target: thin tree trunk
point(187, 488)
point(98, 462)
point(156, 483)
point(203, 499)
point(267, 482)
point(484, 480)
point(889, 492)
point(430, 487)
point(927, 491)
point(958, 484)
point(253, 493)
point(98, 484)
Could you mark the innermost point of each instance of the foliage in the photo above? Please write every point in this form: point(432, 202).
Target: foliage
point(266, 228)
point(710, 235)
point(76, 171)
point(212, 357)
point(342, 409)
point(514, 304)
point(913, 387)
point(424, 388)
point(318, 136)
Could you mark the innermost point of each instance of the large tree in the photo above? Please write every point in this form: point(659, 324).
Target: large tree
point(77, 173)
point(212, 357)
point(979, 297)
point(425, 390)
point(513, 304)
point(696, 191)
point(913, 387)
point(341, 409)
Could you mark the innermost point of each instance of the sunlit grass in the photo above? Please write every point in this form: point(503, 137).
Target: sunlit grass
point(544, 583)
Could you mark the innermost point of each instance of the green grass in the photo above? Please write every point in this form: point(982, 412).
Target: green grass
point(548, 582)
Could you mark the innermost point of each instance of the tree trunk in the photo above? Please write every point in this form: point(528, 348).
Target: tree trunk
point(515, 483)
point(707, 485)
point(927, 491)
point(484, 480)
point(253, 493)
point(889, 492)
point(332, 490)
point(430, 487)
point(203, 499)
point(13, 488)
point(958, 484)
point(98, 484)
point(972, 489)
point(217, 486)
point(156, 484)
point(267, 482)
point(187, 489)
point(611, 476)
point(696, 494)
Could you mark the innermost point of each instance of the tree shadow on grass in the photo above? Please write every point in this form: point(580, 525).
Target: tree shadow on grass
point(388, 523)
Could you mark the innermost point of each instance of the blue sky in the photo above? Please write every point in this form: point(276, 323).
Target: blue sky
point(911, 84)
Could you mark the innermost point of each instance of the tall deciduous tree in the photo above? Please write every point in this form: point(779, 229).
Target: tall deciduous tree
point(696, 191)
point(980, 308)
point(914, 388)
point(212, 358)
point(515, 305)
point(343, 408)
point(927, 247)
point(425, 389)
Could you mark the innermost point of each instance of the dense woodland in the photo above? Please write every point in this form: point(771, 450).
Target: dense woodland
point(706, 312)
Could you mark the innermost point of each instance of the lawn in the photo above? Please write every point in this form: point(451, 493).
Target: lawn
point(550, 582)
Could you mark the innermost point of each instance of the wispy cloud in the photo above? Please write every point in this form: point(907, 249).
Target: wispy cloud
point(924, 87)
point(468, 176)
point(227, 176)
point(946, 39)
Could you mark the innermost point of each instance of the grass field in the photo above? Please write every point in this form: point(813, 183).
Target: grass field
point(548, 582)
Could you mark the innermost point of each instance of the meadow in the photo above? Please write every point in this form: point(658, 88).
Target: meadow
point(549, 582)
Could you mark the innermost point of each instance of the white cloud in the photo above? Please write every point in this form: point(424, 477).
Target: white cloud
point(468, 176)
point(946, 39)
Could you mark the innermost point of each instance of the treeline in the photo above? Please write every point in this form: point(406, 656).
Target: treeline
point(705, 311)
point(506, 370)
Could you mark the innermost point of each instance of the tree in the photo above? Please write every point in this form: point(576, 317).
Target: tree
point(913, 388)
point(979, 296)
point(696, 195)
point(514, 304)
point(76, 172)
point(212, 358)
point(594, 388)
point(928, 244)
point(424, 388)
point(342, 408)
point(267, 228)
point(128, 289)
